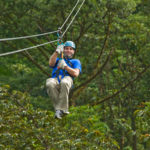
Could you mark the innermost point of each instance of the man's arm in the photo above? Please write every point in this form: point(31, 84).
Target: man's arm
point(72, 72)
point(52, 59)
point(59, 50)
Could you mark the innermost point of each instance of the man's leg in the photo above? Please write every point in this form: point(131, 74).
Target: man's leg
point(65, 86)
point(52, 86)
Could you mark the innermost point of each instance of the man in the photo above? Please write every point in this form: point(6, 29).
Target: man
point(64, 71)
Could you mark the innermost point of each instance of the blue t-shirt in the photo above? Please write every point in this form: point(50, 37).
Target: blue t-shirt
point(74, 63)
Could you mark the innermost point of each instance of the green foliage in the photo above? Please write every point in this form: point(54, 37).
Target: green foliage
point(142, 117)
point(23, 127)
point(26, 120)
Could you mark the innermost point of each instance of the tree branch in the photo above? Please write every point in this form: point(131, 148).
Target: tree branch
point(96, 72)
point(27, 54)
point(31, 40)
point(105, 40)
point(122, 88)
point(43, 30)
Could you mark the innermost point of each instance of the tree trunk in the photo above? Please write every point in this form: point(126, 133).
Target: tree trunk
point(134, 138)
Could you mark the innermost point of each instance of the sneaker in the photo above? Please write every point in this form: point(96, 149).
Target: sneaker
point(58, 114)
point(66, 112)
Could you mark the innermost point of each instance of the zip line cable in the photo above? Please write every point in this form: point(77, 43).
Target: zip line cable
point(73, 18)
point(24, 49)
point(21, 50)
point(69, 15)
point(25, 37)
point(42, 34)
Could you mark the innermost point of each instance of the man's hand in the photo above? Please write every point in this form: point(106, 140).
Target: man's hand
point(60, 48)
point(62, 64)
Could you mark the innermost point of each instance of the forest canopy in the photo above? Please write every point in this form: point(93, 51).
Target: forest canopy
point(109, 102)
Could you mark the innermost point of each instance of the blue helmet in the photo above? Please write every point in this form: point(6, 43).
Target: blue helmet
point(71, 44)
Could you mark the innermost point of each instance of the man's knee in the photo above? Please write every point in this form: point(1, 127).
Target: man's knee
point(66, 82)
point(50, 83)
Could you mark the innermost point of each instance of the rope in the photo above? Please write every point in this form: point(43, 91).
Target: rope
point(73, 18)
point(69, 15)
point(25, 37)
point(47, 33)
point(21, 50)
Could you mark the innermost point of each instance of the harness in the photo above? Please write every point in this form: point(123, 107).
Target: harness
point(58, 70)
point(64, 72)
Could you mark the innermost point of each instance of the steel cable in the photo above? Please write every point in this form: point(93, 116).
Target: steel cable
point(21, 50)
point(69, 15)
point(42, 34)
point(73, 19)
point(24, 49)
point(25, 37)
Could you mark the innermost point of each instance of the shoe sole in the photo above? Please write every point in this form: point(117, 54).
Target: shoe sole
point(58, 117)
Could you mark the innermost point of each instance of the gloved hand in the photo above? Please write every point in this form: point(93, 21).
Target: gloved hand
point(60, 48)
point(62, 64)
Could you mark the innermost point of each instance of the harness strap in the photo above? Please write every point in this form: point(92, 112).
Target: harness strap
point(57, 75)
point(69, 63)
point(64, 72)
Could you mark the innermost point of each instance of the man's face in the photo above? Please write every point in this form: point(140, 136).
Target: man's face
point(68, 51)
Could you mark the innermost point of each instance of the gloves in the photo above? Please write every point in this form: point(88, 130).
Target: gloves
point(62, 64)
point(60, 48)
